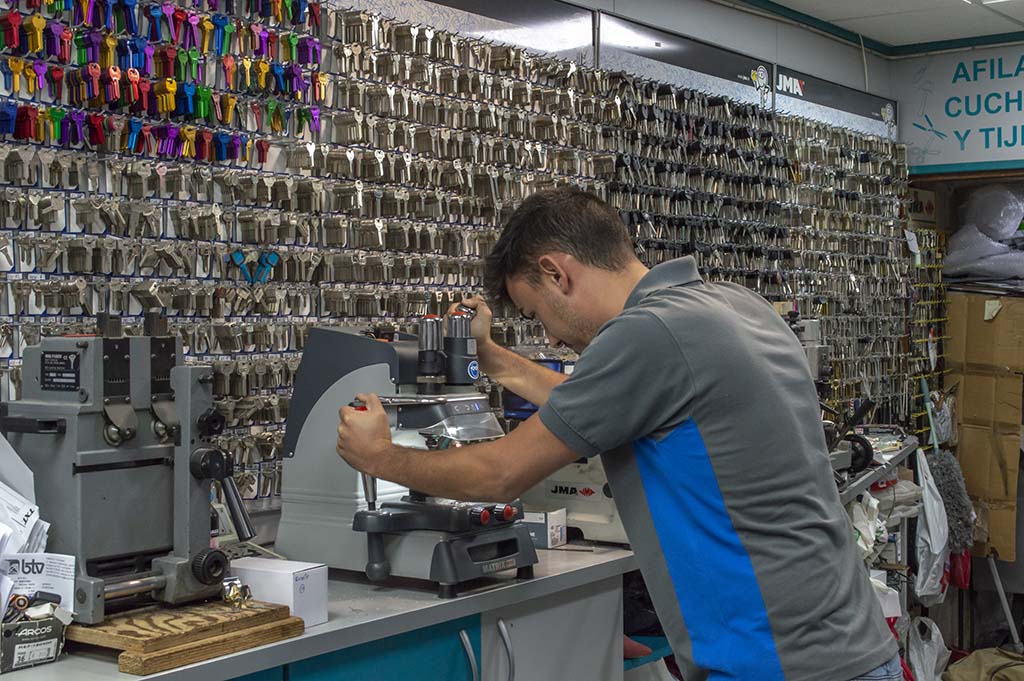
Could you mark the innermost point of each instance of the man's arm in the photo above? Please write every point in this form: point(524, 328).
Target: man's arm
point(500, 470)
point(529, 380)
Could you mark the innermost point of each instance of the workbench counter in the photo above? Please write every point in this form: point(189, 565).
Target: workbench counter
point(360, 613)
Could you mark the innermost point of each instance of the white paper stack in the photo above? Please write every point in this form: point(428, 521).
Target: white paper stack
point(27, 532)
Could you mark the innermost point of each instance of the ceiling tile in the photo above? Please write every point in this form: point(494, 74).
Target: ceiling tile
point(908, 28)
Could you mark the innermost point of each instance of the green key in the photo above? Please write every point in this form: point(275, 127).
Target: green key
point(204, 99)
point(180, 64)
point(229, 29)
point(57, 116)
point(193, 63)
point(293, 42)
point(80, 45)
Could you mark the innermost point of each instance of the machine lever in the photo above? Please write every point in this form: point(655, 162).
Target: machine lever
point(214, 464)
point(18, 424)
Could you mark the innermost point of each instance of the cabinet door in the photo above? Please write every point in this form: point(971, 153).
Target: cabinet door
point(433, 654)
point(574, 634)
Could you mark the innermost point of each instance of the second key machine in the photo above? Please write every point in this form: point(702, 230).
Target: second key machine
point(333, 514)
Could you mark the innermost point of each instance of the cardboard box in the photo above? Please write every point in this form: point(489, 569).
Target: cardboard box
point(547, 528)
point(29, 643)
point(986, 356)
point(300, 586)
point(987, 332)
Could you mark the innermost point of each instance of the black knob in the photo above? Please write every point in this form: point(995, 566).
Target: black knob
point(211, 423)
point(210, 566)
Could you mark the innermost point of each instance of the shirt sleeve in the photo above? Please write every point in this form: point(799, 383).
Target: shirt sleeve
point(632, 381)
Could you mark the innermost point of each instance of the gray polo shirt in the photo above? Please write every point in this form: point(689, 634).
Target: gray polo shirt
point(700, 401)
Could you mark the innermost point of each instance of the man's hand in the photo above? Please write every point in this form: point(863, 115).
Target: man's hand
point(364, 435)
point(481, 326)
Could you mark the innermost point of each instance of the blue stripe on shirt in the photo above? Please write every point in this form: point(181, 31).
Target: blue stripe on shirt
point(711, 572)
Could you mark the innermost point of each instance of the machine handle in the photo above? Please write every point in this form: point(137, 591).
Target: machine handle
point(507, 641)
point(403, 401)
point(21, 424)
point(470, 655)
point(236, 509)
point(209, 463)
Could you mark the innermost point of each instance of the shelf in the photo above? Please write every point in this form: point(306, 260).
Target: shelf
point(873, 475)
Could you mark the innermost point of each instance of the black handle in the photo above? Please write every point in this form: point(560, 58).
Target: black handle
point(214, 464)
point(21, 424)
point(236, 509)
point(377, 566)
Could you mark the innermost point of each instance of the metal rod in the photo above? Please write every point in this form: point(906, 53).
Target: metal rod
point(1017, 646)
point(132, 587)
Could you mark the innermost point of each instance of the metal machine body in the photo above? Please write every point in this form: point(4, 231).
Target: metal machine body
point(115, 430)
point(330, 514)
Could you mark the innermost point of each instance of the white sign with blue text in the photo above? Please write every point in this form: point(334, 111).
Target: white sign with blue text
point(963, 110)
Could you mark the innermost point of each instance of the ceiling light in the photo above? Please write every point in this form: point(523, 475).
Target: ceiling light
point(969, 2)
point(993, 2)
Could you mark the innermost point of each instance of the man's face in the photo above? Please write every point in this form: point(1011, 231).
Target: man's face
point(563, 316)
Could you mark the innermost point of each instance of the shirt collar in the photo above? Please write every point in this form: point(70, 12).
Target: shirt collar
point(666, 275)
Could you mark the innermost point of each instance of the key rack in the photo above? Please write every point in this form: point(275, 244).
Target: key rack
point(154, 155)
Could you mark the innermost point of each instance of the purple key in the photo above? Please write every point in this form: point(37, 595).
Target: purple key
point(40, 68)
point(161, 138)
point(172, 140)
point(193, 27)
point(53, 34)
point(234, 146)
point(78, 118)
point(149, 51)
point(295, 71)
point(93, 41)
point(168, 10)
point(264, 35)
point(314, 118)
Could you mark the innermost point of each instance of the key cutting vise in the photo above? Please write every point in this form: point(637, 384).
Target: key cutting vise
point(116, 431)
point(330, 512)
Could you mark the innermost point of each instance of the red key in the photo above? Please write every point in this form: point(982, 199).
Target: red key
point(144, 87)
point(94, 78)
point(114, 87)
point(133, 81)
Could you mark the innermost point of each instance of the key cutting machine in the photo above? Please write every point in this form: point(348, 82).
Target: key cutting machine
point(334, 515)
point(116, 432)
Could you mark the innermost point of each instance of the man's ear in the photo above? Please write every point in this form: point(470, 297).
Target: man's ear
point(553, 267)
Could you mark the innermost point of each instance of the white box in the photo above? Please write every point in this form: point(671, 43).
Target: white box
point(300, 586)
point(547, 528)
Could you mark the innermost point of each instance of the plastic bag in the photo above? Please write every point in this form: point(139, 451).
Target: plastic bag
point(869, 529)
point(927, 651)
point(996, 210)
point(932, 540)
point(968, 245)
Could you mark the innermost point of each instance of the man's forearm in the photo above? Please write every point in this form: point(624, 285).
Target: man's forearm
point(461, 473)
point(529, 380)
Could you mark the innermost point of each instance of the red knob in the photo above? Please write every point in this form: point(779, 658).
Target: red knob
point(481, 516)
point(508, 513)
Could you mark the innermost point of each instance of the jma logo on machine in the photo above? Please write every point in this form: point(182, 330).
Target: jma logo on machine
point(571, 491)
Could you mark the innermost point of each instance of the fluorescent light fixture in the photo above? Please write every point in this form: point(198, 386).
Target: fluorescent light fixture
point(558, 36)
point(969, 2)
point(993, 2)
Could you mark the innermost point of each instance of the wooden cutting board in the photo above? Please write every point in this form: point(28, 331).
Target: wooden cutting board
point(130, 662)
point(158, 628)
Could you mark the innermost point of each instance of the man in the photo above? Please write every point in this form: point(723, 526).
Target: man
point(699, 400)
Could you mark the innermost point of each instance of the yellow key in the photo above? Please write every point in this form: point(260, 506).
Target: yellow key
point(16, 65)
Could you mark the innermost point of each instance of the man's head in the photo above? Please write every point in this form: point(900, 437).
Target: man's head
point(566, 259)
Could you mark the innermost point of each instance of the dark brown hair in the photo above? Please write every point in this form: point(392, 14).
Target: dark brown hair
point(563, 220)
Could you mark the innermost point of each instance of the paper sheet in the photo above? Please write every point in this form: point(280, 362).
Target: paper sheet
point(50, 572)
point(20, 515)
point(14, 473)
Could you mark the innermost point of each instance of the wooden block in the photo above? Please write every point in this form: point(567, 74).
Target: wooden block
point(152, 629)
point(130, 662)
